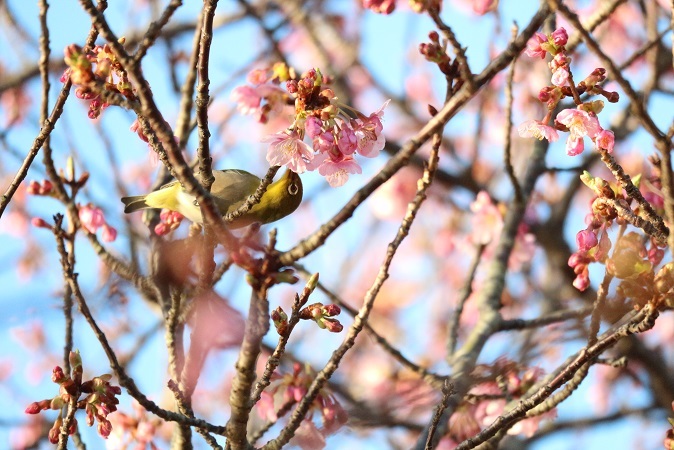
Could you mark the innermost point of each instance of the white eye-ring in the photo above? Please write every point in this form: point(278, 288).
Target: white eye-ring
point(293, 189)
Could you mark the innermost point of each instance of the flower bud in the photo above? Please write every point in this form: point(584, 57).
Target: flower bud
point(664, 279)
point(33, 408)
point(57, 375)
point(332, 325)
point(54, 431)
point(559, 37)
point(331, 310)
point(311, 285)
point(70, 169)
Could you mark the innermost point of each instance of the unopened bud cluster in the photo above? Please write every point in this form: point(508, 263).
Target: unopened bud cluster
point(100, 400)
point(96, 73)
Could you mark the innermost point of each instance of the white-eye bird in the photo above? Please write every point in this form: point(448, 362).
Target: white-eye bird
point(229, 190)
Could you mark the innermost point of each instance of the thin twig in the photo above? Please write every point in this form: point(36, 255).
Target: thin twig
point(361, 319)
point(464, 294)
point(458, 100)
point(437, 414)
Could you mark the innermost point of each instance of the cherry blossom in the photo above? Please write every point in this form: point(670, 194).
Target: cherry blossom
point(537, 129)
point(287, 149)
point(337, 172)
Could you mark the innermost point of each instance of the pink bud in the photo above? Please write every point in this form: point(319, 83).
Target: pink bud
point(331, 310)
point(333, 325)
point(109, 234)
point(57, 375)
point(33, 408)
point(560, 37)
point(91, 217)
point(40, 223)
point(33, 187)
point(104, 428)
point(605, 140)
point(313, 126)
point(46, 187)
point(582, 281)
point(161, 229)
point(586, 239)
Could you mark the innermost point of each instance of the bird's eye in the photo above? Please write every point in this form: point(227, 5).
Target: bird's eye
point(293, 189)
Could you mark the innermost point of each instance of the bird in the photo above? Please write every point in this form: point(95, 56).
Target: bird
point(230, 189)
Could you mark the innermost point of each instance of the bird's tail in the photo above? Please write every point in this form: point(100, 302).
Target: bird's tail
point(135, 203)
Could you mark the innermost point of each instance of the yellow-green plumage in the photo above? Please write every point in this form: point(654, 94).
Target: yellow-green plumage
point(229, 190)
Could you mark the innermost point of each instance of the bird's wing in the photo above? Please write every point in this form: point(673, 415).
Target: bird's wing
point(232, 187)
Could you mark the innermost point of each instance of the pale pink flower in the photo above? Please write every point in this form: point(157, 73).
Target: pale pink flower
point(580, 124)
point(30, 336)
point(560, 60)
point(136, 128)
point(523, 252)
point(538, 130)
point(265, 407)
point(482, 7)
point(258, 76)
point(287, 149)
point(15, 223)
point(333, 414)
point(605, 140)
point(389, 202)
point(368, 130)
point(534, 49)
point(560, 77)
point(308, 437)
point(91, 217)
point(337, 172)
point(487, 219)
point(247, 99)
point(27, 434)
point(463, 424)
point(574, 146)
point(15, 103)
point(214, 323)
point(529, 426)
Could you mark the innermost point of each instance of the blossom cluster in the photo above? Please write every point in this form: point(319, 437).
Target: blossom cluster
point(502, 382)
point(284, 391)
point(436, 52)
point(96, 72)
point(579, 122)
point(92, 218)
point(140, 428)
point(632, 259)
point(388, 6)
point(100, 401)
point(322, 314)
point(336, 136)
point(168, 221)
